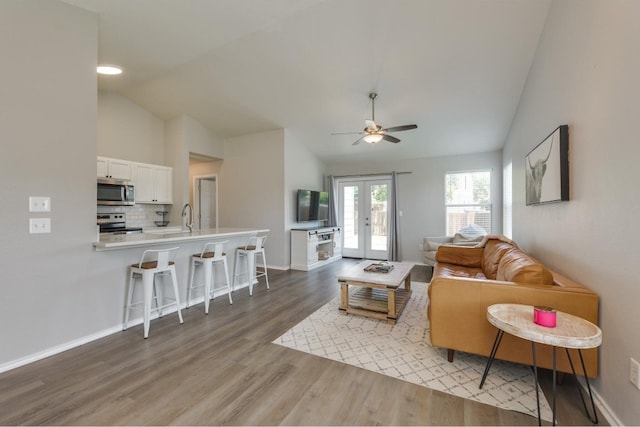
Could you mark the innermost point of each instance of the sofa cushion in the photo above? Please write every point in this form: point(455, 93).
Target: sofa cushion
point(494, 250)
point(516, 266)
point(454, 270)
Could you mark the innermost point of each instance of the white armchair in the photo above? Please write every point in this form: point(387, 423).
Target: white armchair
point(470, 235)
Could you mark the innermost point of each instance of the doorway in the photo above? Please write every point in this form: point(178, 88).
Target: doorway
point(364, 215)
point(205, 201)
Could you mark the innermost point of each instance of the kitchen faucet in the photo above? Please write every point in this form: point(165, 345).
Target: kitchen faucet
point(190, 219)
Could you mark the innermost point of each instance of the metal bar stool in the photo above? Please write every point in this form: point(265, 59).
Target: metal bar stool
point(250, 251)
point(153, 262)
point(207, 258)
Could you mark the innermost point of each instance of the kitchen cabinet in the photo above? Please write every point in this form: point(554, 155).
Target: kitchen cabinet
point(154, 183)
point(114, 168)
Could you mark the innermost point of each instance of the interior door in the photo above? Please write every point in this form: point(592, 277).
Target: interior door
point(364, 216)
point(205, 200)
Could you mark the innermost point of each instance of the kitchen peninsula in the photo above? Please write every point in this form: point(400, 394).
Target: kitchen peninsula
point(121, 241)
point(114, 253)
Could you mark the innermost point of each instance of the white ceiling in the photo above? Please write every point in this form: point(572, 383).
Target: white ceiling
point(456, 68)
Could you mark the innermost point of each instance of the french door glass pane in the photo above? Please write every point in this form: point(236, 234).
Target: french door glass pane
point(350, 226)
point(379, 217)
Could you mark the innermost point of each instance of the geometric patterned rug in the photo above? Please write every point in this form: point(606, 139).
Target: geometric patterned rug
point(403, 351)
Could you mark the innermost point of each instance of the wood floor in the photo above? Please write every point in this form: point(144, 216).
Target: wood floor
point(222, 368)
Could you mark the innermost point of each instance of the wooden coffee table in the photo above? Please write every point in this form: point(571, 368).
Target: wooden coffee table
point(373, 294)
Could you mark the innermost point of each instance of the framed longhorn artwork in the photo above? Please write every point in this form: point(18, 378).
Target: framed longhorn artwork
point(547, 169)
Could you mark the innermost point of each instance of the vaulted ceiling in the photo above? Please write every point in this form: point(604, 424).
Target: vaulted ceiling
point(456, 68)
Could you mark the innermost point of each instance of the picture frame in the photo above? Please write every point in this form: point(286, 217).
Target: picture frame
point(547, 169)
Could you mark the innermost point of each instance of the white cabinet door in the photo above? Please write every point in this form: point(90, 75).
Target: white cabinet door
point(103, 167)
point(114, 168)
point(120, 169)
point(154, 184)
point(312, 249)
point(144, 183)
point(337, 244)
point(163, 181)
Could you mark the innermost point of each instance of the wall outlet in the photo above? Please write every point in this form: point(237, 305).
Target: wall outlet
point(39, 204)
point(634, 372)
point(39, 225)
point(420, 247)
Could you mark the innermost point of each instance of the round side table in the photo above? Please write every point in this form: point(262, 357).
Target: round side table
point(571, 332)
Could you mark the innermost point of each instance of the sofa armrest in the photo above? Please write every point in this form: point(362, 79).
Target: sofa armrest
point(460, 255)
point(430, 245)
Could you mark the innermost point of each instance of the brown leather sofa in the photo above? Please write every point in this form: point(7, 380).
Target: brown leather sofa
point(468, 280)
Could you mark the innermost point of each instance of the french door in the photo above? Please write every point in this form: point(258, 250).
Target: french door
point(364, 215)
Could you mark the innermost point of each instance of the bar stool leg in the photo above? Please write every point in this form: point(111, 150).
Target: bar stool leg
point(208, 276)
point(226, 275)
point(264, 262)
point(127, 307)
point(159, 295)
point(172, 269)
point(147, 283)
point(251, 272)
point(235, 268)
point(192, 269)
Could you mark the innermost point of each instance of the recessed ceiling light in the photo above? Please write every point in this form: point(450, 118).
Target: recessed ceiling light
point(109, 70)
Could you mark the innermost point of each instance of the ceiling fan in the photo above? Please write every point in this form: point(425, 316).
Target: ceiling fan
point(373, 132)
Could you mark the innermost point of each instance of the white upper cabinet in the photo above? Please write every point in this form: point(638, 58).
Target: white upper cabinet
point(114, 168)
point(154, 183)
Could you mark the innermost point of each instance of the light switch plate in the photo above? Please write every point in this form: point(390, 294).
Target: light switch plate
point(39, 225)
point(39, 204)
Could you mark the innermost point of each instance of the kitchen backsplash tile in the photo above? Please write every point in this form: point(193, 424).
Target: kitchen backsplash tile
point(139, 215)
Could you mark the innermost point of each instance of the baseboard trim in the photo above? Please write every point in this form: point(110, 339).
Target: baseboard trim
point(605, 409)
point(58, 349)
point(17, 363)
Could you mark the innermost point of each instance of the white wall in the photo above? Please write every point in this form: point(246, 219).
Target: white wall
point(585, 74)
point(48, 139)
point(177, 155)
point(303, 170)
point(251, 188)
point(201, 140)
point(421, 193)
point(128, 131)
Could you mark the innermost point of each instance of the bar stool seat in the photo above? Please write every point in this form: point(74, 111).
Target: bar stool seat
point(250, 252)
point(154, 262)
point(206, 259)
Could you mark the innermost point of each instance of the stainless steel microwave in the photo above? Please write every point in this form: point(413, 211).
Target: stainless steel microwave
point(115, 192)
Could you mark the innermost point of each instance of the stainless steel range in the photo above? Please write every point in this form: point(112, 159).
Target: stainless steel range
point(115, 223)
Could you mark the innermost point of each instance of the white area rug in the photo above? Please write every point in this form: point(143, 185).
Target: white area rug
point(403, 351)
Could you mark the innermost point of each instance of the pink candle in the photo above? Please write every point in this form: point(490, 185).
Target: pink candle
point(544, 316)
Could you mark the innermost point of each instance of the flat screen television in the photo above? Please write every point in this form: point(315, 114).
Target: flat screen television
point(312, 206)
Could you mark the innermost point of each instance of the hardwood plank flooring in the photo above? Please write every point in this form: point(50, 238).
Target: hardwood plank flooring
point(222, 369)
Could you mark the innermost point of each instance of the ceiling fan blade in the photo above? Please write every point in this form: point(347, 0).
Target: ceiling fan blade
point(390, 138)
point(358, 141)
point(400, 128)
point(371, 125)
point(347, 133)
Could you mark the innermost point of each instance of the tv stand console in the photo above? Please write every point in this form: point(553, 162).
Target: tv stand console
point(314, 247)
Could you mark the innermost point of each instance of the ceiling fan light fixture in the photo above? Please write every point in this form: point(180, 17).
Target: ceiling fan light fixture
point(372, 138)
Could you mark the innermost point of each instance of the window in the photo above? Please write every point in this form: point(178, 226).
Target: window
point(507, 202)
point(468, 200)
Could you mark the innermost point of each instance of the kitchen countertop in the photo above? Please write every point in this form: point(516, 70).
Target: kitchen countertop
point(121, 241)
